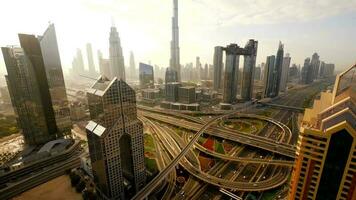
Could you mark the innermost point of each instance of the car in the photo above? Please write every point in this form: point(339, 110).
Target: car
point(244, 177)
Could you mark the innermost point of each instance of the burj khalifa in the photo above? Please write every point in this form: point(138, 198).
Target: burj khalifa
point(174, 61)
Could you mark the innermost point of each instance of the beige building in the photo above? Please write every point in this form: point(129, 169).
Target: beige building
point(325, 166)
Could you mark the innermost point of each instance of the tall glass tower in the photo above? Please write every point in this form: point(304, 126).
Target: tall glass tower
point(115, 138)
point(174, 61)
point(117, 66)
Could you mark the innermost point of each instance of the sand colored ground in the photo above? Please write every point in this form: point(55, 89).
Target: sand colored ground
point(56, 189)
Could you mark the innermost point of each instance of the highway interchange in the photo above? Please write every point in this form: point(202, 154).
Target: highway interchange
point(259, 162)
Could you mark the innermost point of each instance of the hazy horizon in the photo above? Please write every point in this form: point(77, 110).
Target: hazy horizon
point(144, 27)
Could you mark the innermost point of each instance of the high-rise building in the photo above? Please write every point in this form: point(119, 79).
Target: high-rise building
point(211, 72)
point(78, 63)
point(117, 66)
point(115, 138)
point(198, 69)
point(186, 95)
point(262, 71)
point(325, 163)
point(273, 73)
point(326, 70)
point(248, 70)
point(278, 69)
point(218, 67)
point(315, 63)
point(231, 74)
point(172, 91)
point(36, 86)
point(171, 75)
point(293, 72)
point(285, 72)
point(206, 72)
point(36, 121)
point(146, 76)
point(104, 65)
point(257, 75)
point(175, 55)
point(92, 71)
point(133, 66)
point(268, 80)
point(307, 72)
point(55, 79)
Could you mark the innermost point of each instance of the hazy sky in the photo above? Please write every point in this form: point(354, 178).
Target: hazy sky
point(304, 26)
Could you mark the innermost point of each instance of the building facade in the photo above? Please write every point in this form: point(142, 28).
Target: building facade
point(117, 66)
point(171, 75)
point(146, 76)
point(231, 74)
point(92, 71)
point(55, 79)
point(186, 95)
point(133, 66)
point(315, 63)
point(278, 66)
point(175, 55)
point(218, 67)
point(115, 138)
point(30, 99)
point(248, 71)
point(269, 73)
point(172, 91)
point(104, 65)
point(326, 153)
point(285, 73)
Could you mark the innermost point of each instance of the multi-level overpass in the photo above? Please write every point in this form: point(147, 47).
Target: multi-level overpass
point(251, 140)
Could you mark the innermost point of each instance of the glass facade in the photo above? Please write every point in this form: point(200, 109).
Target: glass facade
point(146, 76)
point(115, 138)
point(55, 80)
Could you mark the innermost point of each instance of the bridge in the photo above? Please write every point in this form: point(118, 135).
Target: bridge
point(292, 108)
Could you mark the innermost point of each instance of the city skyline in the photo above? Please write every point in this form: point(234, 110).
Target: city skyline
point(319, 28)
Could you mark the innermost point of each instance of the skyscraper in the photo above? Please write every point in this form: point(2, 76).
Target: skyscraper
point(248, 70)
point(37, 124)
point(198, 69)
point(268, 76)
point(78, 63)
point(171, 75)
point(54, 74)
point(175, 56)
point(146, 76)
point(285, 72)
point(218, 67)
point(133, 66)
point(115, 138)
point(36, 86)
point(315, 63)
point(257, 75)
point(307, 72)
point(117, 66)
point(91, 65)
point(278, 69)
point(104, 65)
point(231, 74)
point(325, 164)
point(326, 70)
